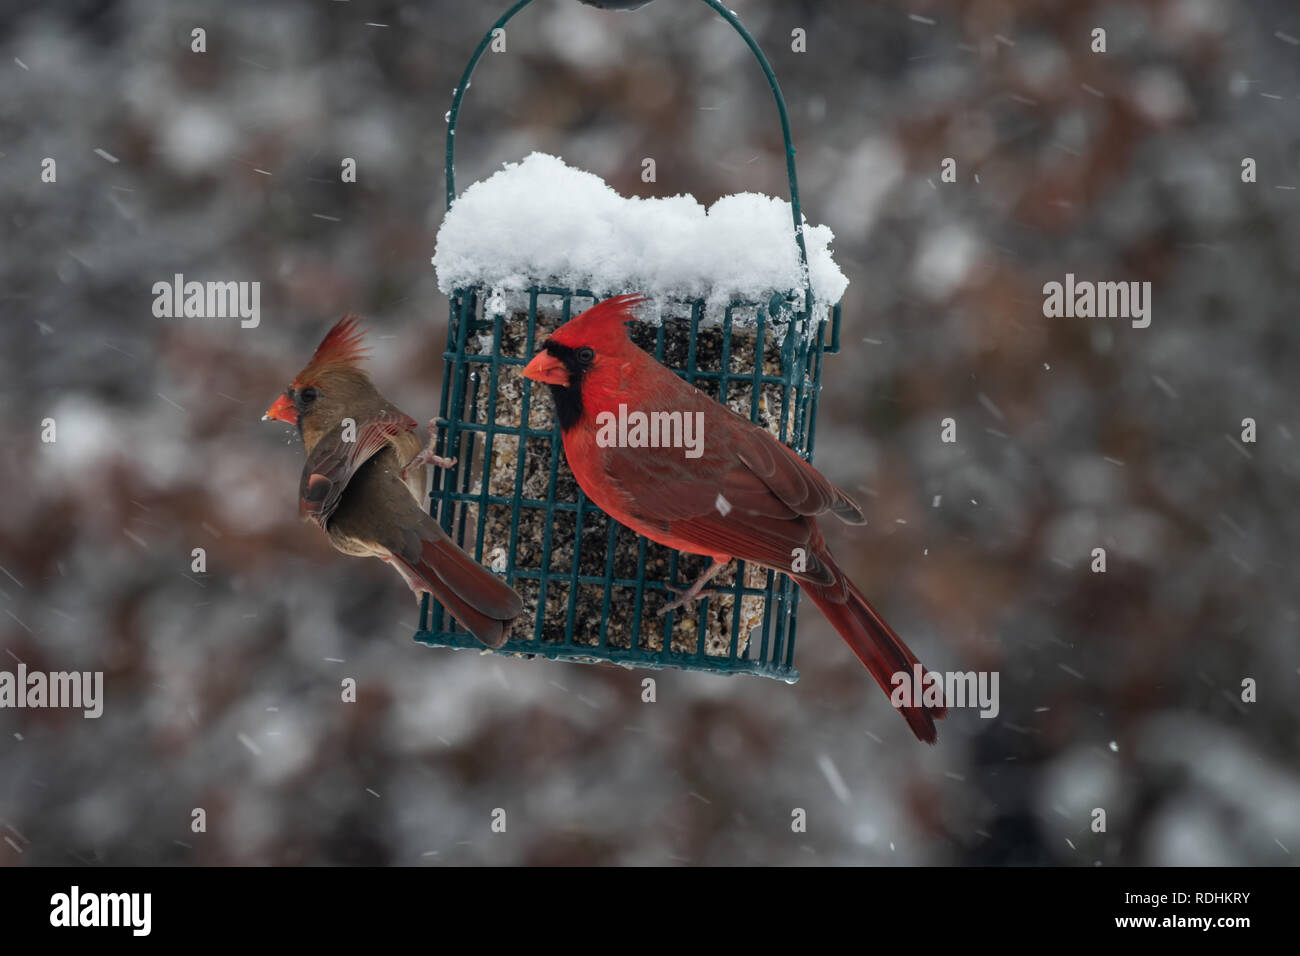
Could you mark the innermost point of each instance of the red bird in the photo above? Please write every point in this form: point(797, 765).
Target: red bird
point(743, 494)
point(364, 478)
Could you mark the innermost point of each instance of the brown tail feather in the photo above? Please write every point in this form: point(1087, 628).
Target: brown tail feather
point(472, 582)
point(874, 642)
point(480, 601)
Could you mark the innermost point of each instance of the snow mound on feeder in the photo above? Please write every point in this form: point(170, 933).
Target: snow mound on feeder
point(541, 221)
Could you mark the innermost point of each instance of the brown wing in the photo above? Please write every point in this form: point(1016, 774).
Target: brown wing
point(334, 461)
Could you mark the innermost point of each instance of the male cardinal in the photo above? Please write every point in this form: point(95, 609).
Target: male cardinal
point(744, 494)
point(364, 478)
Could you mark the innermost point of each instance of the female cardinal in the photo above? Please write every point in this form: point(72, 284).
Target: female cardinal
point(742, 494)
point(363, 480)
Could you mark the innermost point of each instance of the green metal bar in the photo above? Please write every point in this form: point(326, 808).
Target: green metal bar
point(739, 593)
point(571, 612)
point(701, 628)
point(611, 546)
point(521, 452)
point(489, 439)
point(600, 579)
point(801, 389)
point(725, 381)
point(674, 562)
point(794, 616)
point(810, 432)
point(651, 660)
point(782, 616)
point(638, 595)
point(446, 515)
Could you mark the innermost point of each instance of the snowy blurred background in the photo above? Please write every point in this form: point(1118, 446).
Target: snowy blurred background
point(1119, 690)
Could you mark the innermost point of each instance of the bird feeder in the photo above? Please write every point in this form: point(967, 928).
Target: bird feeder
point(593, 590)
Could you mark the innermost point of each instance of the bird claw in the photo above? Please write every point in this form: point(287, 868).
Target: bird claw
point(685, 598)
point(689, 595)
point(427, 456)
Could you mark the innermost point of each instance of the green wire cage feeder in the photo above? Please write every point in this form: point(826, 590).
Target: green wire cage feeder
point(593, 589)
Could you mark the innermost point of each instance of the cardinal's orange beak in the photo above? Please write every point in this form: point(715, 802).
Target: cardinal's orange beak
point(282, 410)
point(545, 367)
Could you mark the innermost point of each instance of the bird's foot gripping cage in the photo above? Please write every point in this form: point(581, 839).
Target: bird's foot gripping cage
point(593, 590)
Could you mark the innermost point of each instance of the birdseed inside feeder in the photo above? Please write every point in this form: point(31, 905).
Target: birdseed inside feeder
point(740, 302)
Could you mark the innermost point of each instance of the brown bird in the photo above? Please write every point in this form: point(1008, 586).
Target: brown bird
point(365, 476)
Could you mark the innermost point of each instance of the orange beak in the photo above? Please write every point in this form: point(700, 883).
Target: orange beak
point(545, 367)
point(282, 410)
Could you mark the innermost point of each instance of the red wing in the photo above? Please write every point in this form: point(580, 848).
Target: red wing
point(731, 443)
point(733, 514)
point(334, 461)
point(748, 495)
point(795, 482)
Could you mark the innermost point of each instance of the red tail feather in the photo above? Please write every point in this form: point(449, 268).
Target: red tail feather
point(875, 644)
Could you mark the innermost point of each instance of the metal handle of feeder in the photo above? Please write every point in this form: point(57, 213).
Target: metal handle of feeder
point(739, 27)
